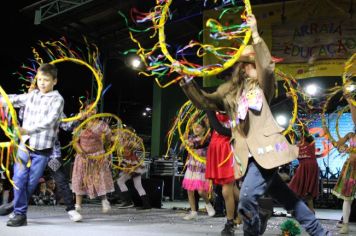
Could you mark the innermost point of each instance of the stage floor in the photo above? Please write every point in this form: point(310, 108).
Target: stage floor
point(54, 221)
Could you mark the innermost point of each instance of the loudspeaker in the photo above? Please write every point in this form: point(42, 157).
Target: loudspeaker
point(154, 190)
point(179, 192)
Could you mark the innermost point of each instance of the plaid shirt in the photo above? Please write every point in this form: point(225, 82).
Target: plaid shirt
point(66, 126)
point(41, 116)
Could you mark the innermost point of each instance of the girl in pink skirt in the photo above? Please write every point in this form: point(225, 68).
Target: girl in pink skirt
point(194, 178)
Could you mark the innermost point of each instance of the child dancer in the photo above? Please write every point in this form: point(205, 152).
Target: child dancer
point(194, 177)
point(132, 169)
point(90, 176)
point(259, 146)
point(345, 187)
point(305, 182)
point(220, 162)
point(56, 169)
point(43, 108)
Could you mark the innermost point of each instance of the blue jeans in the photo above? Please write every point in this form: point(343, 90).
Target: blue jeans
point(256, 183)
point(26, 178)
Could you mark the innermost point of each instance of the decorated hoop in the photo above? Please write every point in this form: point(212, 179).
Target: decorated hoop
point(287, 79)
point(11, 117)
point(326, 128)
point(91, 122)
point(130, 151)
point(9, 125)
point(61, 51)
point(160, 64)
point(98, 79)
point(183, 69)
point(349, 72)
point(188, 118)
point(339, 114)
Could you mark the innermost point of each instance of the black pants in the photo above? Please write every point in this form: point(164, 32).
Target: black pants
point(219, 204)
point(63, 187)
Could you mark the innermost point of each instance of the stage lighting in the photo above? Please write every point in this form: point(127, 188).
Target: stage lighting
point(350, 88)
point(282, 120)
point(135, 63)
point(311, 89)
point(144, 114)
point(148, 109)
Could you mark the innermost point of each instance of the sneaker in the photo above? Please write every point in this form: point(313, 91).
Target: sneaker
point(344, 229)
point(106, 205)
point(229, 229)
point(237, 220)
point(191, 216)
point(74, 216)
point(210, 209)
point(12, 215)
point(339, 224)
point(17, 220)
point(78, 208)
point(6, 209)
point(125, 205)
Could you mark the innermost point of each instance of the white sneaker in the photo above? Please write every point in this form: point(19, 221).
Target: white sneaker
point(191, 216)
point(74, 216)
point(78, 208)
point(12, 215)
point(339, 225)
point(210, 209)
point(106, 206)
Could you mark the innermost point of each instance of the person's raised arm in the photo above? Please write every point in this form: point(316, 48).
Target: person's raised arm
point(216, 125)
point(201, 99)
point(264, 63)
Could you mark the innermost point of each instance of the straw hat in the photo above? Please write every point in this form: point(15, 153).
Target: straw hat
point(247, 55)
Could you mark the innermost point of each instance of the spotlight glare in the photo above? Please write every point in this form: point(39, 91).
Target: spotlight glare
point(350, 88)
point(135, 63)
point(148, 109)
point(281, 120)
point(144, 114)
point(311, 89)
